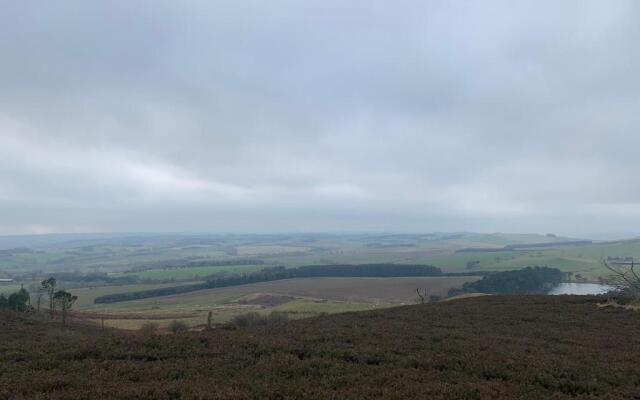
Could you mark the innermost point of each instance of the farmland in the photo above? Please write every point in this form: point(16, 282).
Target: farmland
point(305, 297)
point(97, 265)
point(492, 347)
point(164, 257)
point(88, 294)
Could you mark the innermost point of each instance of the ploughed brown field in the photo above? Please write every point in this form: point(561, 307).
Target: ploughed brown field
point(493, 347)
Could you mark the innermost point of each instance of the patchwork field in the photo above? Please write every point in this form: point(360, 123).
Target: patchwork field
point(122, 253)
point(95, 265)
point(302, 297)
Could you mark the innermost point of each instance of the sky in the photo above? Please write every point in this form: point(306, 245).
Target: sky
point(309, 116)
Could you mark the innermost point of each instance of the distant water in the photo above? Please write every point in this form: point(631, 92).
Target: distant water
point(580, 288)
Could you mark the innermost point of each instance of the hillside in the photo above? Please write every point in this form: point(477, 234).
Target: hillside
point(493, 347)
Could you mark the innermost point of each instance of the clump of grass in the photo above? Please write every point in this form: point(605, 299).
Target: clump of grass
point(62, 335)
point(149, 328)
point(178, 327)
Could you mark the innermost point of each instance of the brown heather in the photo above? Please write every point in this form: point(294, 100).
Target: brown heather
point(494, 347)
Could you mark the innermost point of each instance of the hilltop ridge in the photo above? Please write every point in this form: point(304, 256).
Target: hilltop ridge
point(492, 347)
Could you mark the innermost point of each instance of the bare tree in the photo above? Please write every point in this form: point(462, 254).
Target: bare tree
point(422, 295)
point(624, 276)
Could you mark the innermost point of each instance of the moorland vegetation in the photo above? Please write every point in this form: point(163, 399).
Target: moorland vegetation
point(492, 347)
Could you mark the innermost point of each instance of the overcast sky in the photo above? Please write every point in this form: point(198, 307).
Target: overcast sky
point(271, 116)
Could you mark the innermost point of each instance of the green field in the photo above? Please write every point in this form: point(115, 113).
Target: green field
point(584, 259)
point(311, 307)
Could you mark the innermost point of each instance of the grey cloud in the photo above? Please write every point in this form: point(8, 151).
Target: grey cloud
point(319, 115)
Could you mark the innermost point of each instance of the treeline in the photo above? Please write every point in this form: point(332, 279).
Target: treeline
point(201, 263)
point(523, 246)
point(365, 270)
point(547, 244)
point(17, 250)
point(278, 273)
point(530, 280)
point(96, 278)
point(18, 301)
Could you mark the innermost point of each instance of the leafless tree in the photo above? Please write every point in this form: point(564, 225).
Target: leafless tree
point(422, 295)
point(624, 276)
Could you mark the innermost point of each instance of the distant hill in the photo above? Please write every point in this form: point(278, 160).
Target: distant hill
point(72, 240)
point(526, 246)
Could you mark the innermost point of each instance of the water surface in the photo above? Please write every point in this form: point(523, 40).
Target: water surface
point(580, 288)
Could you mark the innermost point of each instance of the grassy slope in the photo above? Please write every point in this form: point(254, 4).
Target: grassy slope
point(491, 347)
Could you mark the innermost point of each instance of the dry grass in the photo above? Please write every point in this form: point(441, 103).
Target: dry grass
point(634, 306)
point(464, 296)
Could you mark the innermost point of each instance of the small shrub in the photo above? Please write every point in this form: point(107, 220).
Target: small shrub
point(623, 297)
point(255, 319)
point(62, 335)
point(276, 317)
point(149, 328)
point(248, 319)
point(178, 327)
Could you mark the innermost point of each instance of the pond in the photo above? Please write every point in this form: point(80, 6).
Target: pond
point(580, 288)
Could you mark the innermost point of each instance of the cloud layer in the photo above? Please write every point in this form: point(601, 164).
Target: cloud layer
point(320, 115)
